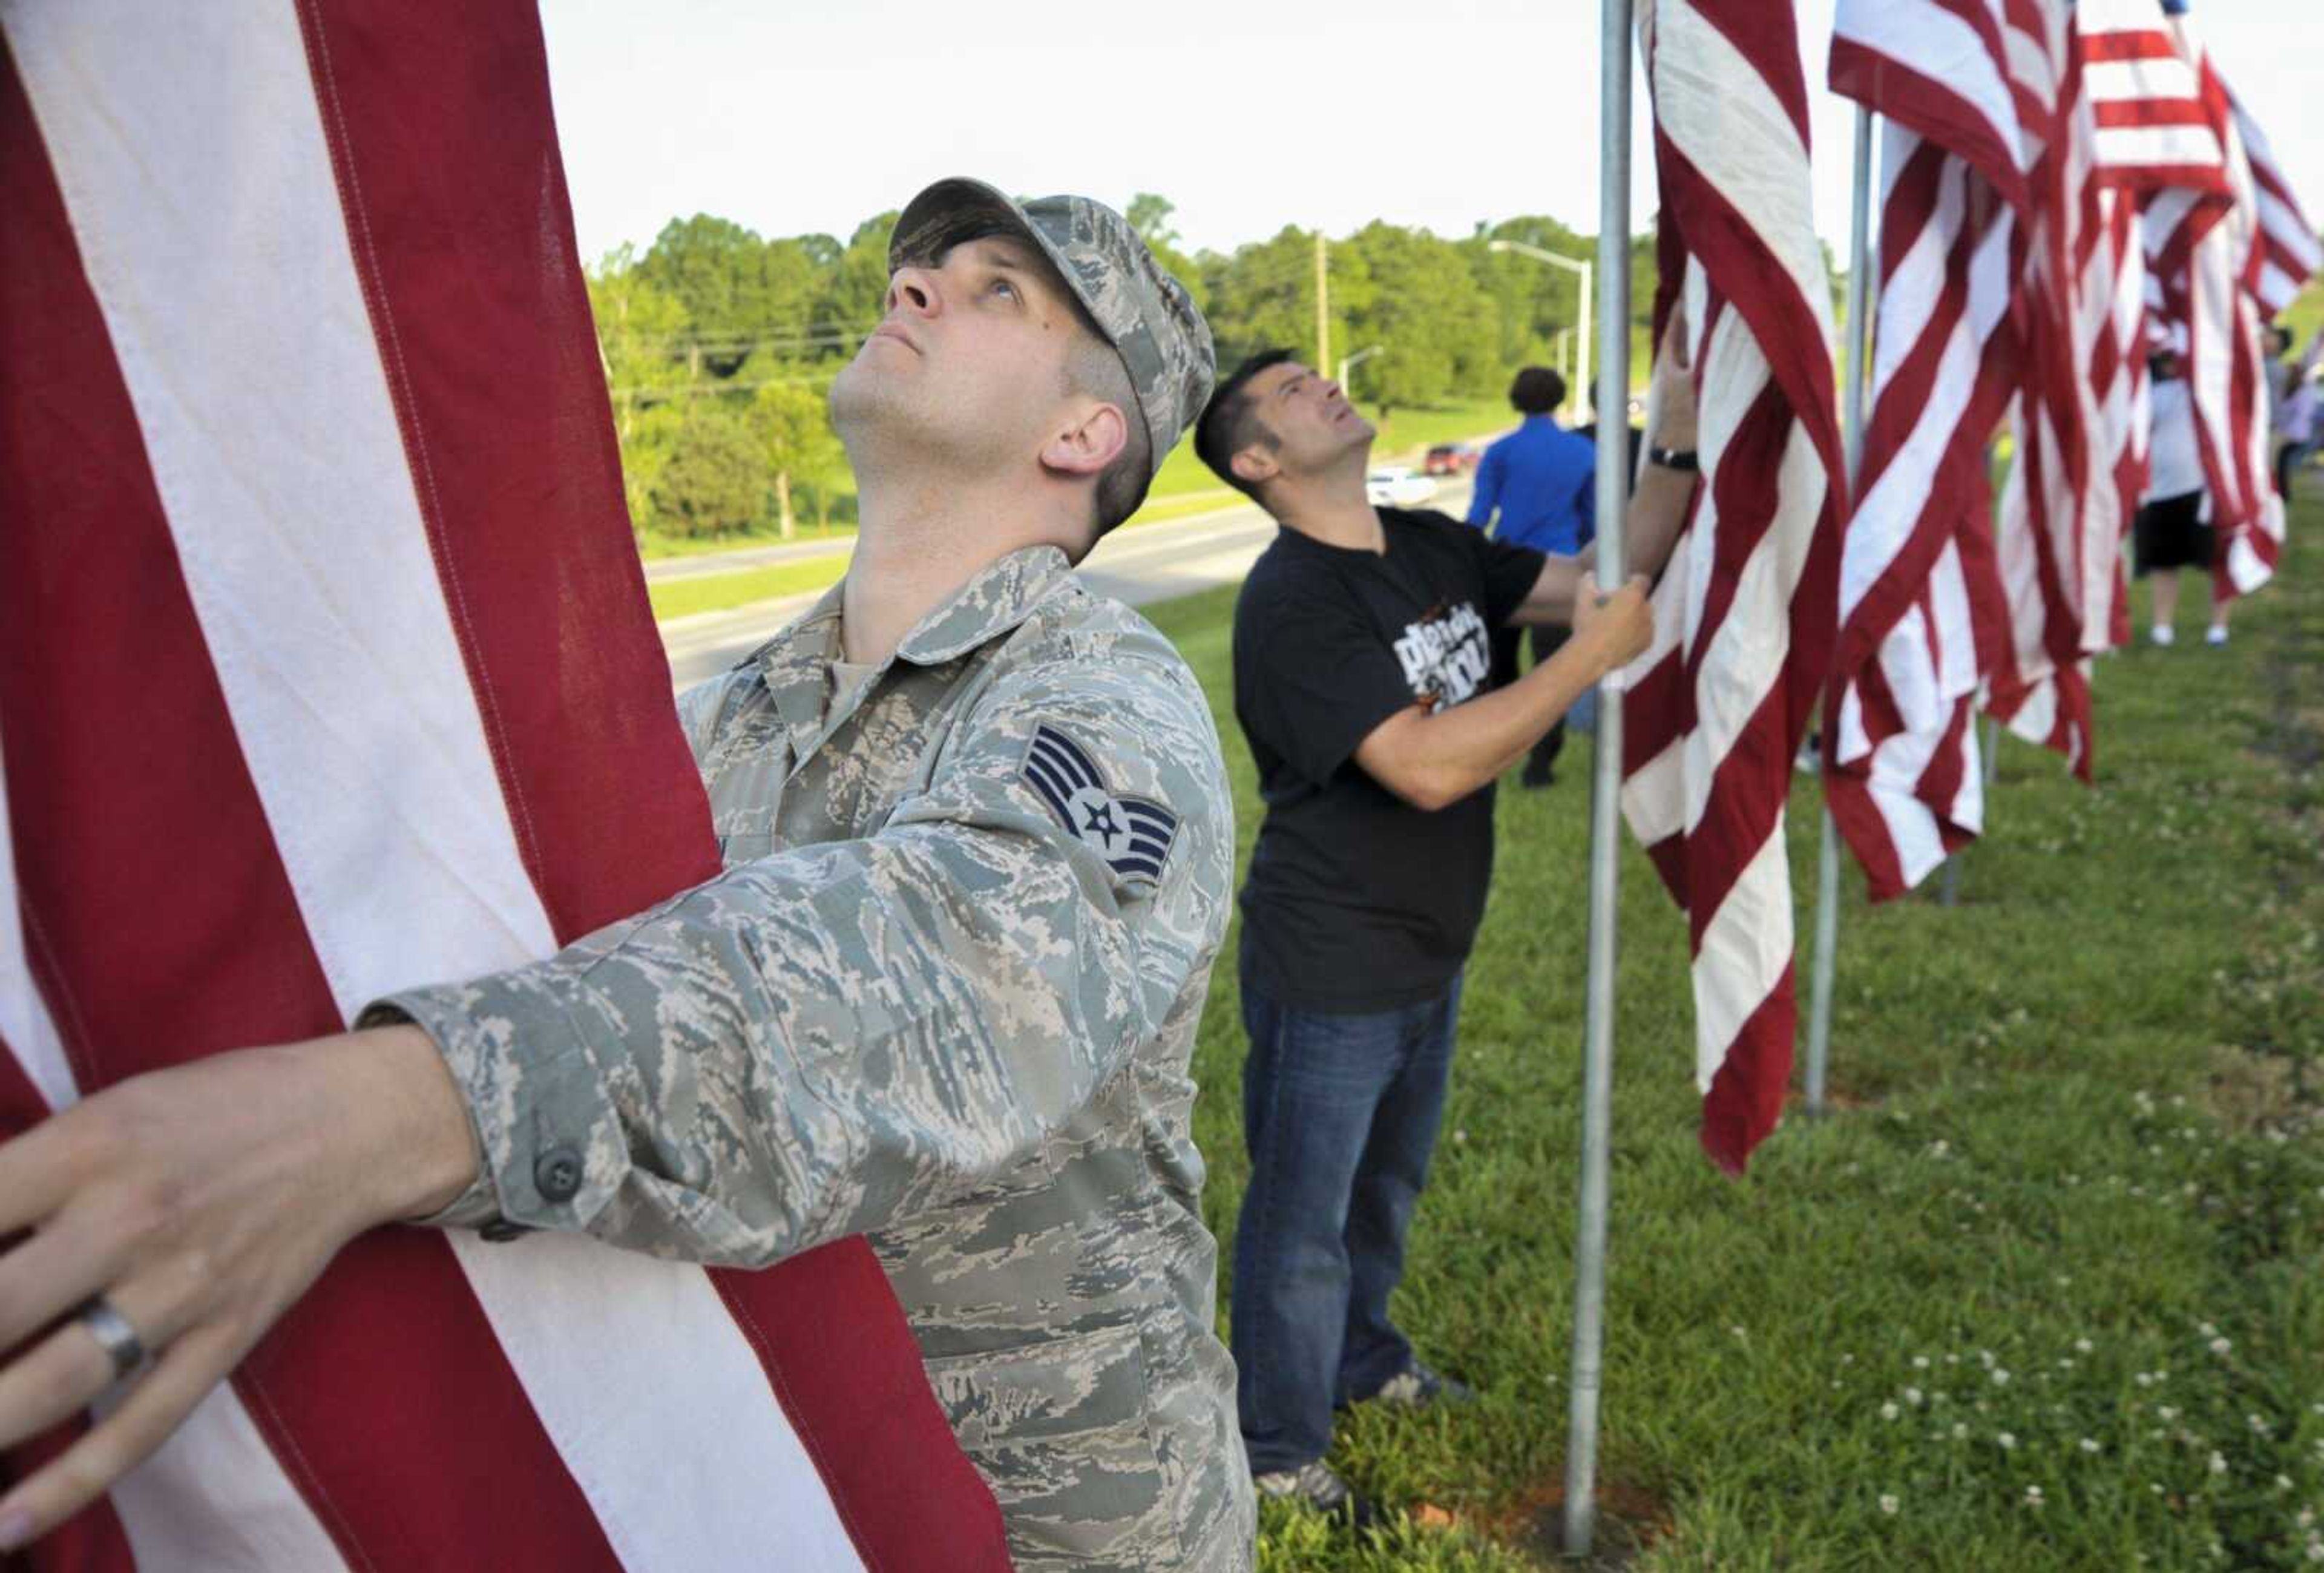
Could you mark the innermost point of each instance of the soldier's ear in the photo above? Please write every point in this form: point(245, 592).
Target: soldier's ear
point(1092, 443)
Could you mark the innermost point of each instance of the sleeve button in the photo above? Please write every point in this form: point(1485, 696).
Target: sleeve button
point(557, 1174)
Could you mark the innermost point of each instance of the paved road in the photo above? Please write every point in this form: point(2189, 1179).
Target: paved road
point(717, 562)
point(1154, 562)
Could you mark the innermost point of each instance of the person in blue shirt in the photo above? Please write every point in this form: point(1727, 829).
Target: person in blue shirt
point(1538, 487)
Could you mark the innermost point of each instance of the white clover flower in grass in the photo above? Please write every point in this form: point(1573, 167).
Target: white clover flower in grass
point(1889, 1411)
point(2145, 1379)
point(2221, 1346)
point(2007, 1439)
point(2316, 1550)
point(2218, 1464)
point(1921, 1362)
point(2165, 1413)
point(2284, 1483)
point(2088, 1444)
point(2259, 1427)
point(1889, 1504)
point(2000, 1377)
point(2307, 1517)
point(2082, 1346)
point(2032, 1496)
point(1912, 1396)
point(2207, 1330)
point(1960, 1431)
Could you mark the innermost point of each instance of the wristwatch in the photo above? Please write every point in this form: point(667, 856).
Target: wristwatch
point(1678, 458)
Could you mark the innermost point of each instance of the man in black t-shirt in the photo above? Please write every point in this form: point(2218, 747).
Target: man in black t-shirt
point(1362, 672)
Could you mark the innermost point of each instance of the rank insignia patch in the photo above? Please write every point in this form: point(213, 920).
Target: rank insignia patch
point(1132, 834)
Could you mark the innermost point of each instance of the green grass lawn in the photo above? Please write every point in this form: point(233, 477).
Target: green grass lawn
point(719, 592)
point(2047, 1293)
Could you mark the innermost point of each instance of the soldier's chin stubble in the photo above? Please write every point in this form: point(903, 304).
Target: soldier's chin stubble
point(867, 412)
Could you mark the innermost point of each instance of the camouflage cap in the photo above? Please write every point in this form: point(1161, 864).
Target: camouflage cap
point(1147, 315)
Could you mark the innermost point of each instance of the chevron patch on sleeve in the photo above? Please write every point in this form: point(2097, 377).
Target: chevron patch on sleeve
point(1133, 835)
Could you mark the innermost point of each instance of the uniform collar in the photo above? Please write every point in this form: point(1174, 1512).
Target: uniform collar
point(993, 603)
point(796, 663)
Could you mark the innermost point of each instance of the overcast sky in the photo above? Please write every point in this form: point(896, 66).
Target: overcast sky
point(1248, 115)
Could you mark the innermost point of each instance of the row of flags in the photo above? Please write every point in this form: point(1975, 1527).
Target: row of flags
point(2062, 188)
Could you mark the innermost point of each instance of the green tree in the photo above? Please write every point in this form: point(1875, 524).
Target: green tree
point(1426, 310)
point(640, 331)
point(716, 270)
point(1264, 295)
point(1533, 302)
point(793, 424)
point(1149, 215)
point(854, 294)
point(713, 481)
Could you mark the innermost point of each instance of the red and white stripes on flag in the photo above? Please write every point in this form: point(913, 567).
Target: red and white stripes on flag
point(325, 668)
point(2290, 254)
point(1743, 616)
point(2204, 249)
point(2060, 535)
point(1919, 612)
point(2153, 132)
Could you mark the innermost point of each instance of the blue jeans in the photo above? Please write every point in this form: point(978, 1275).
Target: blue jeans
point(1339, 1114)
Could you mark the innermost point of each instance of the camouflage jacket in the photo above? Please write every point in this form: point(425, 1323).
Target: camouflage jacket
point(944, 995)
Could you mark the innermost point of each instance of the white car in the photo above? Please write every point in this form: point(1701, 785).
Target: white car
point(1397, 487)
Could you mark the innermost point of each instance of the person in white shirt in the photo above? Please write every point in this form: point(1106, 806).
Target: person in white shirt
point(2174, 529)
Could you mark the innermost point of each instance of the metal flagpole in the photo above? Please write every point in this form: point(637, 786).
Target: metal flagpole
point(1860, 297)
point(1598, 1032)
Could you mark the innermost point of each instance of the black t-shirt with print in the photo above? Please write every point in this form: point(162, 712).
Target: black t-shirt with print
point(1358, 901)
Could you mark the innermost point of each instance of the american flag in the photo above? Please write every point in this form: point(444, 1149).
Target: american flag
point(1919, 599)
point(2061, 527)
point(2206, 250)
point(1743, 617)
point(2288, 252)
point(326, 668)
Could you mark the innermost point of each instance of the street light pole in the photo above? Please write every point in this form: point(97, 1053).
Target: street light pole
point(1583, 318)
point(1323, 305)
point(1348, 362)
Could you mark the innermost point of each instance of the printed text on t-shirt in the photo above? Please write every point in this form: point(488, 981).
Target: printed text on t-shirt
point(1446, 657)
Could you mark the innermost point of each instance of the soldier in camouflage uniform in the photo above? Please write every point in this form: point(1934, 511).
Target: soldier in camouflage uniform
point(946, 992)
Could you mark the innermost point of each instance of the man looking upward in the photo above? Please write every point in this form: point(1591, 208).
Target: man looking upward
point(977, 841)
point(1362, 679)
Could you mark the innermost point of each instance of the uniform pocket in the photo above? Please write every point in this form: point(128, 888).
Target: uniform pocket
point(1059, 1431)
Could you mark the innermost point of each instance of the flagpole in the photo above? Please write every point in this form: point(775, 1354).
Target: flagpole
point(1860, 335)
point(1598, 1032)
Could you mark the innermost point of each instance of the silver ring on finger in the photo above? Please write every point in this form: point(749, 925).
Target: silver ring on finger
point(114, 1335)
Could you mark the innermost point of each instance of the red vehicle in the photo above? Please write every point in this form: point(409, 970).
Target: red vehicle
point(1451, 459)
